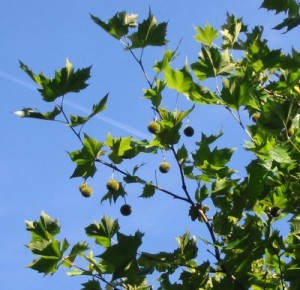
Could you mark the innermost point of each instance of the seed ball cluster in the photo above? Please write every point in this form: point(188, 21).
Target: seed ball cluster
point(188, 131)
point(126, 210)
point(255, 116)
point(164, 167)
point(113, 185)
point(85, 190)
point(154, 127)
point(275, 211)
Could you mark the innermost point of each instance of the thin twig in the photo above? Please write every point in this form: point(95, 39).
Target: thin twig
point(114, 167)
point(61, 107)
point(184, 187)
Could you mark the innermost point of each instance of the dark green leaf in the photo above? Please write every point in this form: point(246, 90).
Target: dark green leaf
point(31, 113)
point(86, 157)
point(212, 62)
point(65, 81)
point(103, 231)
point(46, 228)
point(45, 265)
point(148, 191)
point(76, 250)
point(118, 25)
point(91, 285)
point(149, 34)
point(154, 94)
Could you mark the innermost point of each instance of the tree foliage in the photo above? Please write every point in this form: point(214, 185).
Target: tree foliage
point(247, 250)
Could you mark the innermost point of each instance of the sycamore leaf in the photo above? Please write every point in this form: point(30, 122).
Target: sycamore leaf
point(124, 251)
point(149, 33)
point(148, 190)
point(280, 155)
point(46, 228)
point(231, 31)
point(45, 265)
point(76, 250)
point(212, 62)
point(288, 23)
point(118, 25)
point(31, 113)
point(206, 35)
point(103, 231)
point(169, 55)
point(187, 246)
point(86, 157)
point(97, 108)
point(65, 81)
point(284, 6)
point(180, 80)
point(91, 285)
point(154, 94)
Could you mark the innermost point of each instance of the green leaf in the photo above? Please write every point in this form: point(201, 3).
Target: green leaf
point(117, 26)
point(103, 231)
point(196, 279)
point(46, 228)
point(154, 94)
point(91, 285)
point(206, 35)
point(212, 62)
point(149, 33)
point(280, 155)
point(119, 148)
point(231, 31)
point(76, 250)
point(86, 157)
point(180, 80)
point(97, 108)
point(44, 244)
point(202, 194)
point(237, 92)
point(45, 265)
point(284, 6)
point(187, 247)
point(169, 55)
point(31, 113)
point(65, 81)
point(288, 23)
point(212, 162)
point(182, 154)
point(121, 257)
point(148, 191)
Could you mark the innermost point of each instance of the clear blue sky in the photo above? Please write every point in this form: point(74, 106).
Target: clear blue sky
point(34, 166)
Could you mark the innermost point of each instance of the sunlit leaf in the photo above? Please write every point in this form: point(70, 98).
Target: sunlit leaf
point(206, 35)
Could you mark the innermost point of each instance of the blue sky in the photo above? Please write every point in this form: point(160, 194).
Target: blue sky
point(34, 166)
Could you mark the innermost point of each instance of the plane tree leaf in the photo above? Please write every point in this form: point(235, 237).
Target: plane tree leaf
point(206, 35)
point(117, 26)
point(66, 80)
point(149, 33)
point(85, 158)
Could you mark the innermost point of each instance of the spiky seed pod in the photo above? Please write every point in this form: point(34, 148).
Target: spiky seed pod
point(113, 185)
point(126, 209)
point(188, 131)
point(291, 131)
point(164, 167)
point(154, 127)
point(85, 190)
point(255, 116)
point(275, 211)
